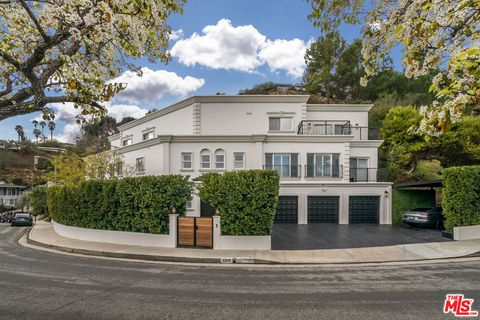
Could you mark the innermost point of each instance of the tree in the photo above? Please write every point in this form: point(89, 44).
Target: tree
point(128, 119)
point(51, 127)
point(69, 169)
point(435, 35)
point(67, 51)
point(107, 165)
point(20, 132)
point(37, 200)
point(321, 59)
point(36, 133)
point(95, 134)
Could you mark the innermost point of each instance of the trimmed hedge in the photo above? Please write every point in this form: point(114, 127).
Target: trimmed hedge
point(140, 204)
point(461, 196)
point(246, 200)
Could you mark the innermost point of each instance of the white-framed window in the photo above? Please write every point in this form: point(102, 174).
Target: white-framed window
point(323, 165)
point(189, 205)
point(127, 142)
point(219, 159)
point(148, 135)
point(187, 161)
point(119, 168)
point(238, 160)
point(359, 171)
point(140, 165)
point(280, 124)
point(205, 161)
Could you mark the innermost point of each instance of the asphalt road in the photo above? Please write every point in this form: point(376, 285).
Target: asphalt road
point(42, 285)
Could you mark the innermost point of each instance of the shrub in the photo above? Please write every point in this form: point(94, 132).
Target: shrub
point(246, 200)
point(461, 196)
point(139, 204)
point(37, 200)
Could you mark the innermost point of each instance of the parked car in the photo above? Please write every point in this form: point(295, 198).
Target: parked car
point(430, 217)
point(22, 219)
point(10, 216)
point(3, 218)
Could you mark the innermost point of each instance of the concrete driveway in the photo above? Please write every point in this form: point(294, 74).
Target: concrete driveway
point(335, 236)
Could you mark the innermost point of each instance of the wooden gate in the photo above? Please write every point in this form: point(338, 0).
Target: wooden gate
point(195, 232)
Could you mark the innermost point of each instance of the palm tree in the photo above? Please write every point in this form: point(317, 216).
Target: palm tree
point(42, 124)
point(20, 132)
point(36, 133)
point(51, 127)
point(35, 123)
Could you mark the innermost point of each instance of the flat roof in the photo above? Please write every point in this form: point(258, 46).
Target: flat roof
point(421, 184)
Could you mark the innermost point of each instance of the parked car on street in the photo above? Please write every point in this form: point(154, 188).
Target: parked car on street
point(430, 217)
point(3, 218)
point(22, 219)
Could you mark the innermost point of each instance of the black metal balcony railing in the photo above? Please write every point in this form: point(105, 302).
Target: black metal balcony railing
point(285, 171)
point(337, 127)
point(366, 174)
point(323, 171)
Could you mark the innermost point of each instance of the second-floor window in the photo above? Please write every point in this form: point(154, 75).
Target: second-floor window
point(286, 164)
point(187, 160)
point(127, 142)
point(205, 162)
point(321, 165)
point(238, 160)
point(147, 135)
point(119, 168)
point(140, 165)
point(219, 159)
point(280, 124)
point(359, 170)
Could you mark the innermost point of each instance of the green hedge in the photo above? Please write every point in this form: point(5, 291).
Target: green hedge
point(246, 200)
point(461, 196)
point(404, 200)
point(132, 204)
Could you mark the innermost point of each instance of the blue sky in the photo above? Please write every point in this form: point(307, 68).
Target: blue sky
point(219, 46)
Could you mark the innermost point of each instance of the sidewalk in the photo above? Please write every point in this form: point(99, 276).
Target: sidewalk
point(42, 234)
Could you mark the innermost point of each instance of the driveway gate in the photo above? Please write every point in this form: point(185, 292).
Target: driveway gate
point(195, 232)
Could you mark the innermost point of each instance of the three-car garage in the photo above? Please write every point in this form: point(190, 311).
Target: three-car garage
point(328, 208)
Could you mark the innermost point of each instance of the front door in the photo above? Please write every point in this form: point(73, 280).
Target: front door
point(206, 209)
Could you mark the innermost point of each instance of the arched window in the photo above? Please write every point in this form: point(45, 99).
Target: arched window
point(205, 159)
point(219, 159)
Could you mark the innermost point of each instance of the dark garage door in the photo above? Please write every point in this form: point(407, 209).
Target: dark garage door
point(364, 209)
point(287, 210)
point(322, 209)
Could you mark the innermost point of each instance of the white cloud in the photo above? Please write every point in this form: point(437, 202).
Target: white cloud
point(70, 132)
point(120, 111)
point(285, 55)
point(221, 46)
point(176, 34)
point(242, 48)
point(153, 85)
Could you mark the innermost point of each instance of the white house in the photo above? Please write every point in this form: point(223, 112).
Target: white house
point(327, 164)
point(10, 193)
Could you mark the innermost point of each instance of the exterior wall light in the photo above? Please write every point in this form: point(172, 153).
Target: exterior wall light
point(385, 194)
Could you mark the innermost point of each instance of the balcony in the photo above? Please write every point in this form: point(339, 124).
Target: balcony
point(337, 127)
point(368, 174)
point(285, 171)
point(323, 171)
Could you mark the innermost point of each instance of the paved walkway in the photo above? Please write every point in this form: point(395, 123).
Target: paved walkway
point(42, 234)
point(338, 236)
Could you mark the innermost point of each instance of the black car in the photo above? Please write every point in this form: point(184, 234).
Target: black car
point(22, 219)
point(430, 217)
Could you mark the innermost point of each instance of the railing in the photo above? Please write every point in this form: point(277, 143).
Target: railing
point(327, 127)
point(367, 174)
point(337, 127)
point(285, 171)
point(323, 171)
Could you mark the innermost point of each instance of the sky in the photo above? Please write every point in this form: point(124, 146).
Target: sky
point(216, 46)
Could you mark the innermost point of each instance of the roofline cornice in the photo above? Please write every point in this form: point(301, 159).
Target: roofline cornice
point(340, 107)
point(216, 99)
point(366, 143)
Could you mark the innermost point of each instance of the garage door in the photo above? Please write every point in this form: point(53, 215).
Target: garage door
point(322, 209)
point(364, 209)
point(287, 210)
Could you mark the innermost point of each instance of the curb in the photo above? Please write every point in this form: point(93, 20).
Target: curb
point(238, 260)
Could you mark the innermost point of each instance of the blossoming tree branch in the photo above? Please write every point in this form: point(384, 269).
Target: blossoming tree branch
point(55, 51)
point(438, 35)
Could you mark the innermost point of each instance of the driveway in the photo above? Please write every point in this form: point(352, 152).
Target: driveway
point(336, 236)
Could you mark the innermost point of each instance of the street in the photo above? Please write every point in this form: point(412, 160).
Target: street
point(42, 285)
